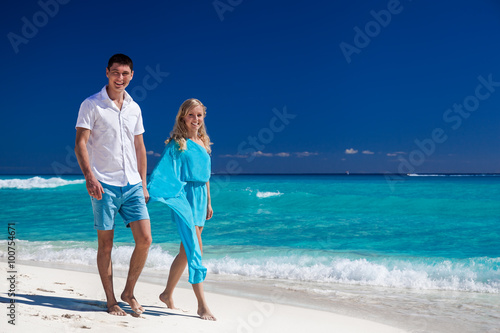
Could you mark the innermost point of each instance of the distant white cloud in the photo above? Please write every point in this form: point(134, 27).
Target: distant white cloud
point(367, 152)
point(233, 156)
point(396, 153)
point(305, 154)
point(351, 151)
point(153, 153)
point(261, 154)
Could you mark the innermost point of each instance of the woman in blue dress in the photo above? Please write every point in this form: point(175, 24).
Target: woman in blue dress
point(181, 180)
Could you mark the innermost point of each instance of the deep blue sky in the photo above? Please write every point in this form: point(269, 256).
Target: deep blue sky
point(252, 57)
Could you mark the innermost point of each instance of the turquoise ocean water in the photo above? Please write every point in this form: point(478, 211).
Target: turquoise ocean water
point(336, 239)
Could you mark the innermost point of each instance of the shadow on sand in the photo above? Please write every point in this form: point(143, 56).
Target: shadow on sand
point(81, 305)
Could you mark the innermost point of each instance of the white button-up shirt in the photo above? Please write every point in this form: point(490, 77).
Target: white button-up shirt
point(111, 146)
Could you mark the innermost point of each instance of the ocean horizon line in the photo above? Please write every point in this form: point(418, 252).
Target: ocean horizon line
point(297, 174)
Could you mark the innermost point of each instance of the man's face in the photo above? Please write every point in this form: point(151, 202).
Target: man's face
point(119, 77)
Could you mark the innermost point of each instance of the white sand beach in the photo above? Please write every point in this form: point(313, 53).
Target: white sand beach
point(57, 300)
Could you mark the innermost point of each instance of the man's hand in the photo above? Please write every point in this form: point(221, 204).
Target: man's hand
point(146, 193)
point(94, 188)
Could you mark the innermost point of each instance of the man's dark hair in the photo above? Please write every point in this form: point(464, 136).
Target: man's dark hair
point(121, 59)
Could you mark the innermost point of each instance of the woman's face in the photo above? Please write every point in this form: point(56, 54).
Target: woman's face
point(194, 119)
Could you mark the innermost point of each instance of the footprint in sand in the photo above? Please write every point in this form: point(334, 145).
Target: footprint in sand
point(70, 316)
point(52, 317)
point(45, 290)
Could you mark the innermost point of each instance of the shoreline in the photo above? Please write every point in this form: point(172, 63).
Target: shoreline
point(494, 174)
point(51, 298)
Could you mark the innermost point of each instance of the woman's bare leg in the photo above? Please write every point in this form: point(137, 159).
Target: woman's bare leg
point(203, 310)
point(199, 230)
point(178, 266)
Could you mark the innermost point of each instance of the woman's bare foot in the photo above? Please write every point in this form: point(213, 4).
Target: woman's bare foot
point(115, 310)
point(134, 305)
point(168, 300)
point(205, 314)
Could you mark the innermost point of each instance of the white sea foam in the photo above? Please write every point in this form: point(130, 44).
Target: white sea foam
point(84, 253)
point(263, 194)
point(37, 182)
point(472, 275)
point(442, 276)
point(452, 175)
point(268, 194)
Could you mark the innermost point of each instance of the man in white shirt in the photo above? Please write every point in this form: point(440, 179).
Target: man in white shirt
point(111, 153)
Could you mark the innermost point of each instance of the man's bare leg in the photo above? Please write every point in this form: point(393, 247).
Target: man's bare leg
point(104, 266)
point(176, 269)
point(203, 310)
point(142, 236)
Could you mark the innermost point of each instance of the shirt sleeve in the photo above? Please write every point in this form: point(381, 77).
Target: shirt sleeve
point(86, 115)
point(164, 181)
point(139, 127)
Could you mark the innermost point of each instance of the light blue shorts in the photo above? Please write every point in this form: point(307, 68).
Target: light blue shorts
point(128, 201)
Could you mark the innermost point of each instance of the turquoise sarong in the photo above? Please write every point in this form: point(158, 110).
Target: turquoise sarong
point(167, 185)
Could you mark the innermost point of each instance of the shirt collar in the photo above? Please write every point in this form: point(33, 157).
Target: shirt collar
point(104, 96)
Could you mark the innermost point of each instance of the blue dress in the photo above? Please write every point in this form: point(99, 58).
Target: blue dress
point(179, 181)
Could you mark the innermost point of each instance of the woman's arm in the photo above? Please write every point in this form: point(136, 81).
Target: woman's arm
point(210, 211)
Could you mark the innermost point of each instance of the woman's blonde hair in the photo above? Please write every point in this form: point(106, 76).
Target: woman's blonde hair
point(179, 132)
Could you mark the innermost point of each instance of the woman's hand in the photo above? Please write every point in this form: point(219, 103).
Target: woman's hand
point(210, 211)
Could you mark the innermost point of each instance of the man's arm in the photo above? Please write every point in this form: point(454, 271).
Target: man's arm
point(142, 163)
point(93, 186)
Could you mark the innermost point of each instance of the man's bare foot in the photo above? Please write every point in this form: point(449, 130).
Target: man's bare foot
point(205, 314)
point(134, 305)
point(115, 310)
point(168, 300)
